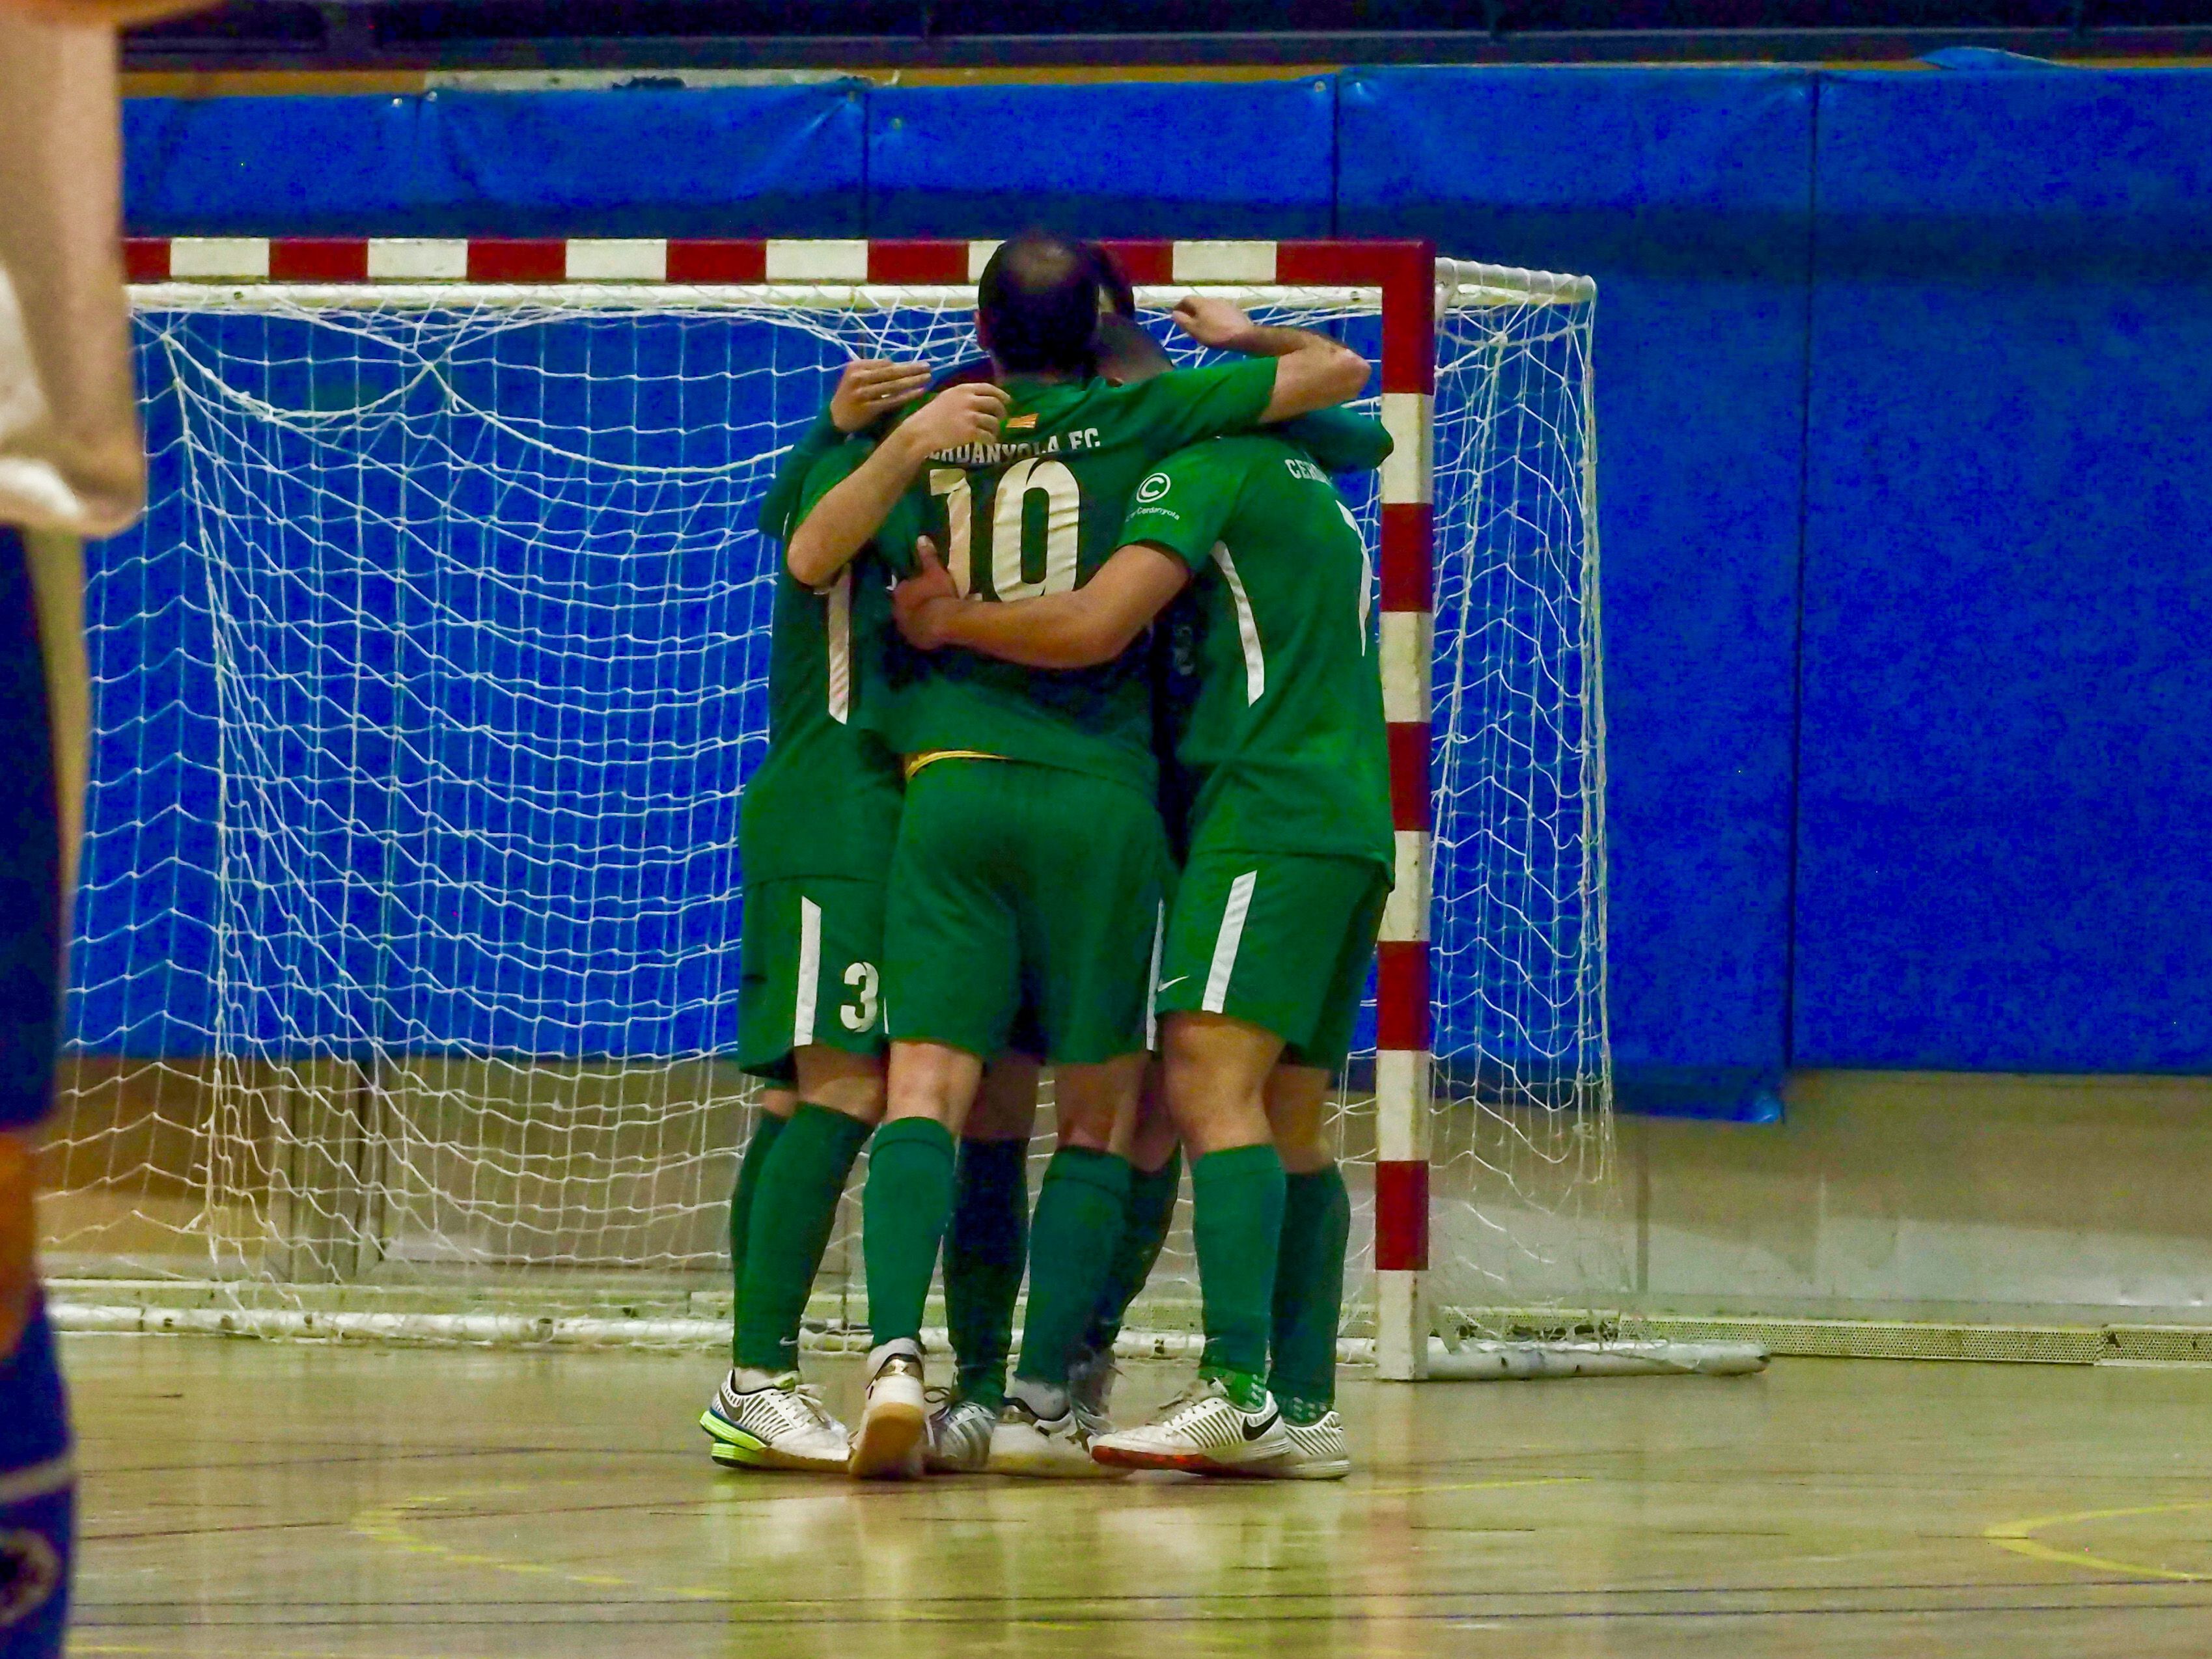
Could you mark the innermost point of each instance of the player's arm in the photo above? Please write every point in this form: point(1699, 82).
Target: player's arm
point(1340, 440)
point(846, 519)
point(1093, 624)
point(1311, 370)
point(868, 388)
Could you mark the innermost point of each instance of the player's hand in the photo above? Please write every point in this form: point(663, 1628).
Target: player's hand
point(965, 414)
point(873, 387)
point(1211, 321)
point(922, 602)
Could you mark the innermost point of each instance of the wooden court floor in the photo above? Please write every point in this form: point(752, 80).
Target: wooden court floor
point(256, 1500)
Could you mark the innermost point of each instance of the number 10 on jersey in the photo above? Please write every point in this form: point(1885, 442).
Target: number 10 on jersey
point(1007, 535)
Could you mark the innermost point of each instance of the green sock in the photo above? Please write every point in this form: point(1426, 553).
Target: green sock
point(1237, 1222)
point(985, 1247)
point(1079, 1211)
point(903, 1210)
point(765, 1127)
point(1145, 1225)
point(793, 1213)
point(1309, 1289)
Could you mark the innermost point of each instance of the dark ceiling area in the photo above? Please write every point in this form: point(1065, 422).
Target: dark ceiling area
point(769, 35)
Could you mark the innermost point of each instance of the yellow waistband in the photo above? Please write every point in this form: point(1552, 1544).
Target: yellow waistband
point(930, 758)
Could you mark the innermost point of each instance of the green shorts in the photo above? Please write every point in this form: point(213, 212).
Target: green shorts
point(1279, 940)
point(1013, 884)
point(808, 971)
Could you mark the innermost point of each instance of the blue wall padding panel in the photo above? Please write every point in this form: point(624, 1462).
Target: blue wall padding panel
point(1687, 193)
point(1183, 159)
point(269, 165)
point(745, 161)
point(2006, 845)
point(740, 162)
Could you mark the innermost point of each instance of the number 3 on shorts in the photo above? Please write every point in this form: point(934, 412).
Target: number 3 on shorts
point(860, 1014)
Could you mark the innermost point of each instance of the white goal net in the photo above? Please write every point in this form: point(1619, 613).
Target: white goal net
point(405, 957)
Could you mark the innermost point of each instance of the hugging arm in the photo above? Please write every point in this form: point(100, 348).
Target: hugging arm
point(1087, 625)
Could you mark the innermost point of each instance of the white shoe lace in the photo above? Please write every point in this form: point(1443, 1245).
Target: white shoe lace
point(797, 1406)
point(1194, 1401)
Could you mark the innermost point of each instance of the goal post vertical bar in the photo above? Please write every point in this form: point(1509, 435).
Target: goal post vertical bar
point(1402, 1054)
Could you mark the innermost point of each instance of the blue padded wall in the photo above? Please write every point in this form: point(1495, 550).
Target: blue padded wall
point(2006, 841)
point(766, 162)
point(1165, 159)
point(1687, 194)
point(749, 161)
point(262, 165)
point(1999, 279)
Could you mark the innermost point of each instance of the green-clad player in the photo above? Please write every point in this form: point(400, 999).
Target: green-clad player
point(819, 817)
point(1030, 858)
point(1275, 918)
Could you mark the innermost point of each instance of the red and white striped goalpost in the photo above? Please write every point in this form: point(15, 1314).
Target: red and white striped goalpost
point(1402, 273)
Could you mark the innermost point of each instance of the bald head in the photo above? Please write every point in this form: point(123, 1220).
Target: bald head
point(1037, 307)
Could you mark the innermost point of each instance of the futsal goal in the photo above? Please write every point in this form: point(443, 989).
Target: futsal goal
point(405, 958)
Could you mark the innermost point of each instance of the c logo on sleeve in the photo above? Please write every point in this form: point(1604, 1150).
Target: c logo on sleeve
point(1153, 488)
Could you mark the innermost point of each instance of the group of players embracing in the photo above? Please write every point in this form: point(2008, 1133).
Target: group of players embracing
point(1077, 759)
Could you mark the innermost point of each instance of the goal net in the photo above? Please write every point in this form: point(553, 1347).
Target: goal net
point(405, 961)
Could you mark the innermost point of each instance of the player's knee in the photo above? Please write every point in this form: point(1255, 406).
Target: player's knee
point(1095, 1106)
point(1298, 1114)
point(850, 1084)
point(927, 1079)
point(1006, 1103)
point(1215, 1070)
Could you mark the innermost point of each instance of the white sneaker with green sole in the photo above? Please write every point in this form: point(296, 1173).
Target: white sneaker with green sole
point(783, 1426)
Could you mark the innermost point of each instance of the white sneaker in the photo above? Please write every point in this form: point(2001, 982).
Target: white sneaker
point(1317, 1452)
point(1089, 1390)
point(959, 1436)
point(889, 1444)
point(1205, 1432)
point(781, 1425)
point(1052, 1448)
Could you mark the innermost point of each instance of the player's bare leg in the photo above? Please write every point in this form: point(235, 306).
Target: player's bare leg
point(986, 1249)
point(1081, 1209)
point(763, 1417)
point(904, 1210)
point(1309, 1276)
point(1217, 1075)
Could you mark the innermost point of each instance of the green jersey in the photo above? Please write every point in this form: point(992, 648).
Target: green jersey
point(1284, 741)
point(825, 800)
point(1038, 512)
point(779, 512)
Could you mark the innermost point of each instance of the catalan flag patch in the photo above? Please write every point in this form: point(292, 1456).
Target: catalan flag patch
point(1021, 423)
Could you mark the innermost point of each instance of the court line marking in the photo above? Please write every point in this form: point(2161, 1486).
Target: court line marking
point(386, 1524)
point(1459, 1485)
point(2019, 1537)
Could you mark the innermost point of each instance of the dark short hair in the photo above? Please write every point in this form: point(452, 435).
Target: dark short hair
point(1127, 354)
point(1114, 293)
point(1038, 305)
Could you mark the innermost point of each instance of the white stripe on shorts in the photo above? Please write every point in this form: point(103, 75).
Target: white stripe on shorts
point(1152, 980)
point(1226, 941)
point(810, 972)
